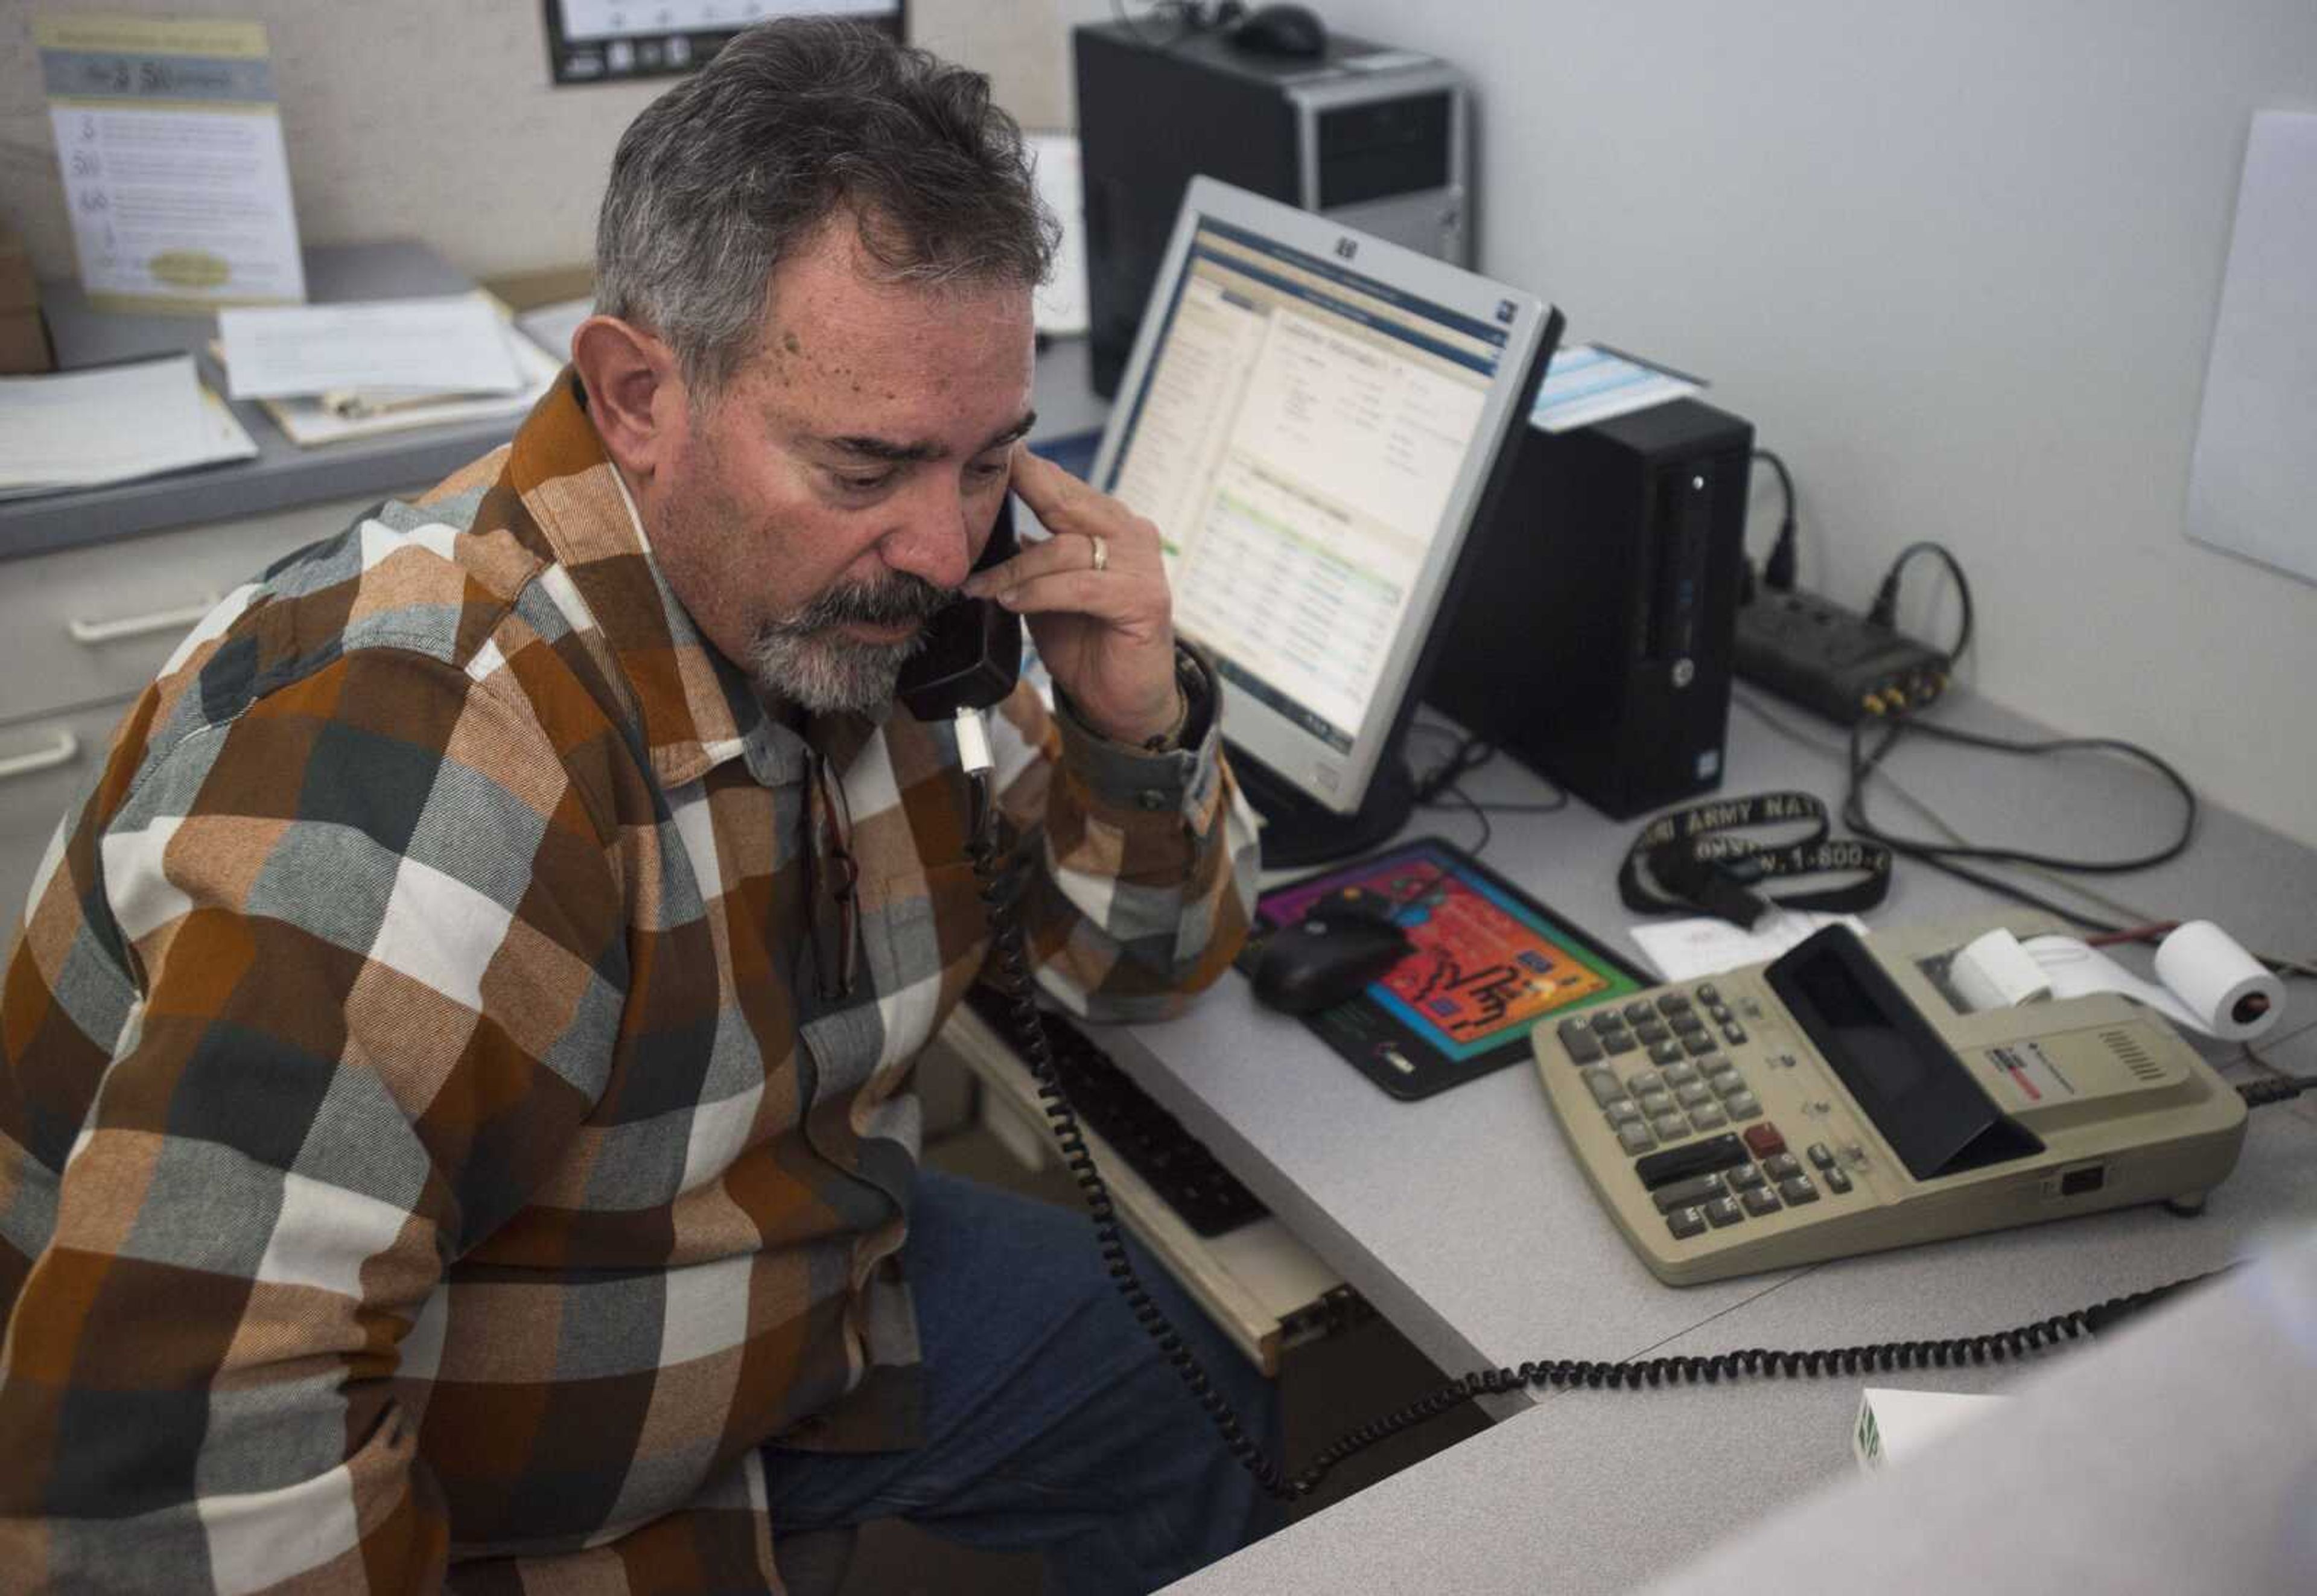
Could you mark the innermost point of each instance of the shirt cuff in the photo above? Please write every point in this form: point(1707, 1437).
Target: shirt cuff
point(1176, 781)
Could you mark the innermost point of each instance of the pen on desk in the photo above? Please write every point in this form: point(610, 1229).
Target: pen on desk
point(351, 404)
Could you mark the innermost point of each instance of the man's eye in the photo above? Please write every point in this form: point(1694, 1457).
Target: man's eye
point(868, 484)
point(987, 470)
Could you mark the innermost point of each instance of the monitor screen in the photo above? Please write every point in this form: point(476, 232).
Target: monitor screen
point(1310, 419)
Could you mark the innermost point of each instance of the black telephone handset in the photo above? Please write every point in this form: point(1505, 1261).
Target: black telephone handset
point(972, 655)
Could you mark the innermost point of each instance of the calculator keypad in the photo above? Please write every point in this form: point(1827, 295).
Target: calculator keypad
point(1684, 1100)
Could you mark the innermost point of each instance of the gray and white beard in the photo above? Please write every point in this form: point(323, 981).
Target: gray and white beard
point(804, 660)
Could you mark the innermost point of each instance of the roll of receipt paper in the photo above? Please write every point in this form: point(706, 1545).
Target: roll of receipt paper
point(2220, 981)
point(2205, 979)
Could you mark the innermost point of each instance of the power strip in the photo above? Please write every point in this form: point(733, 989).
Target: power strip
point(1832, 660)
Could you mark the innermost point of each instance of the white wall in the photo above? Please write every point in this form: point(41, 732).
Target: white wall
point(1959, 263)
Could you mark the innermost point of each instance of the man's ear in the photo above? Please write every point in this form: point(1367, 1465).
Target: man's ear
point(635, 391)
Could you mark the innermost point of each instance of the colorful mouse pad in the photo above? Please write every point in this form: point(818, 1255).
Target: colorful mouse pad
point(1489, 962)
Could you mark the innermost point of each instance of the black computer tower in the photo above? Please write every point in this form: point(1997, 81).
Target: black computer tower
point(1373, 137)
point(1592, 634)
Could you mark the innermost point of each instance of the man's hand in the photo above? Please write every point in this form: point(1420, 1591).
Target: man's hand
point(1108, 634)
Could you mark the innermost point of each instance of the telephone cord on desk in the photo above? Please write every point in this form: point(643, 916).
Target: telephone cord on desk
point(1012, 967)
point(1000, 884)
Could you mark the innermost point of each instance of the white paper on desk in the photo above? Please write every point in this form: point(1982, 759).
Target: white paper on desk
point(80, 430)
point(226, 441)
point(311, 424)
point(1693, 949)
point(1586, 383)
point(451, 344)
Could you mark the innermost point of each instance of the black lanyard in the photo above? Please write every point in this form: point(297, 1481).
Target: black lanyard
point(1689, 859)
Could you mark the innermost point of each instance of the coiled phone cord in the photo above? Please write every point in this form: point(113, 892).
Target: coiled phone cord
point(1000, 887)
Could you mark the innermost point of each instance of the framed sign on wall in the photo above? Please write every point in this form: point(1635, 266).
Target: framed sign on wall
point(617, 40)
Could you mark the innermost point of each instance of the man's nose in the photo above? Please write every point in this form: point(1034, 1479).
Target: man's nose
point(934, 539)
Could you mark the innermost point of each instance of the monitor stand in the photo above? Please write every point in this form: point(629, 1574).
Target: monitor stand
point(1298, 832)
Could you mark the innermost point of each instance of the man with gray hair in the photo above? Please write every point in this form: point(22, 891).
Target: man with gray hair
point(455, 1109)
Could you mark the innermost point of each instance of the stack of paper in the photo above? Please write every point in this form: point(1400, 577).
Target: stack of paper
point(328, 372)
point(83, 429)
point(1693, 949)
point(1586, 383)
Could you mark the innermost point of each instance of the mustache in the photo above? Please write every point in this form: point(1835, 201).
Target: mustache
point(897, 601)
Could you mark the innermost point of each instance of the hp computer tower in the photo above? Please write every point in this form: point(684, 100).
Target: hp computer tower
point(1372, 136)
point(1592, 636)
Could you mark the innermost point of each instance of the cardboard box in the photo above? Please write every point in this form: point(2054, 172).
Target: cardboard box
point(23, 339)
point(23, 344)
point(1893, 1425)
point(18, 291)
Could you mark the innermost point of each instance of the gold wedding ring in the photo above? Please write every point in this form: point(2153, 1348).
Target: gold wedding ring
point(1101, 550)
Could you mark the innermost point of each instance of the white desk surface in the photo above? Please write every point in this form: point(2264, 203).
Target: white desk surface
point(2175, 1455)
point(1463, 1220)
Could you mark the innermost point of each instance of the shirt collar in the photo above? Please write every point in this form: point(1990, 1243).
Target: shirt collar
point(697, 709)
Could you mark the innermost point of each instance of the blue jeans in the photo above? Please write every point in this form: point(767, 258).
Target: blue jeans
point(1052, 1420)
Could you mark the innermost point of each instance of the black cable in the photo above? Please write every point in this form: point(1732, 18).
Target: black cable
point(1468, 755)
point(2289, 969)
point(2275, 1085)
point(1884, 611)
point(1864, 764)
point(1444, 782)
point(1012, 968)
point(2276, 1088)
point(1840, 754)
point(1554, 805)
point(1779, 571)
point(1943, 858)
point(1488, 831)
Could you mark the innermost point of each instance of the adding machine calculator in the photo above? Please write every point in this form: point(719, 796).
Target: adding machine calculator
point(1840, 1100)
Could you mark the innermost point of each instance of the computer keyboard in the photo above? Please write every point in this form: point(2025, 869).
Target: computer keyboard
point(1153, 1143)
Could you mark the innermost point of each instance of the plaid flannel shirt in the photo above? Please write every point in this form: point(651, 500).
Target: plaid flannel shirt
point(426, 1151)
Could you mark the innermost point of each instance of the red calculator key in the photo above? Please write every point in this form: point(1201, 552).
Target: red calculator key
point(1763, 1140)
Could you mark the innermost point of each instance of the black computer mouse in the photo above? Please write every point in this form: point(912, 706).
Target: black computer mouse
point(1322, 960)
point(1281, 30)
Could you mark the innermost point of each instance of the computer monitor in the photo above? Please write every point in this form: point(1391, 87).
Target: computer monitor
point(1315, 419)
